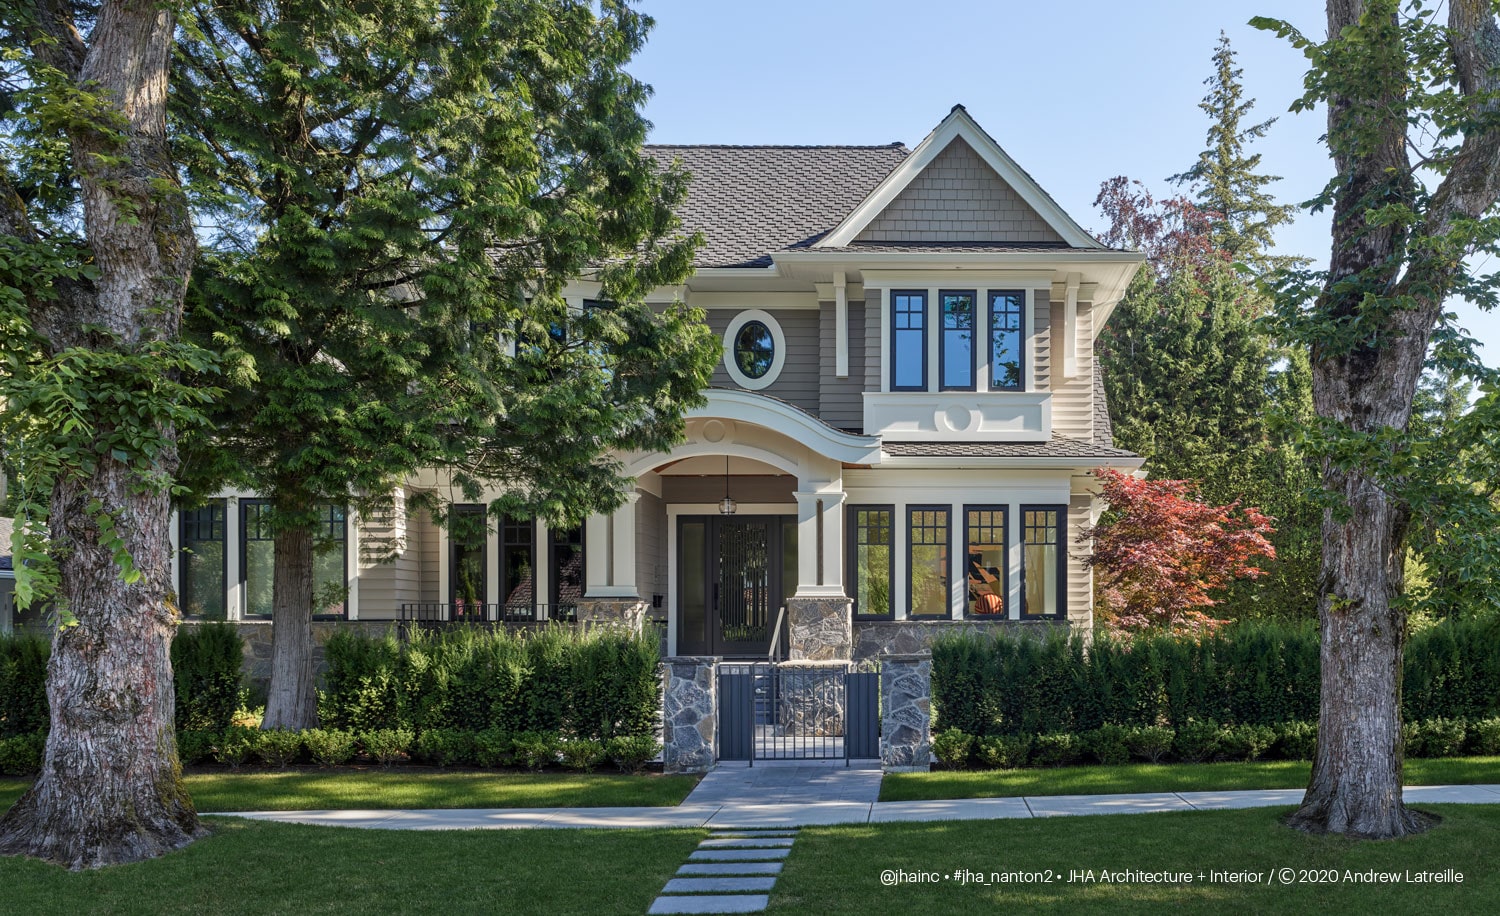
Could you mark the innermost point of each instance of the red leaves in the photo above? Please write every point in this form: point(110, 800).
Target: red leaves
point(1165, 551)
point(1176, 235)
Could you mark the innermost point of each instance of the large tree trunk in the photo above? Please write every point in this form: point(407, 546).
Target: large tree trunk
point(110, 789)
point(292, 702)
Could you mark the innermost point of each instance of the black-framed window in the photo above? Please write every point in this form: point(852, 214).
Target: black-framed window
point(466, 566)
point(908, 340)
point(331, 562)
point(203, 566)
point(956, 364)
point(566, 570)
point(986, 562)
point(1007, 340)
point(1043, 562)
point(258, 559)
point(517, 565)
point(871, 560)
point(754, 349)
point(929, 580)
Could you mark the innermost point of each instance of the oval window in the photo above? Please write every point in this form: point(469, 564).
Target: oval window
point(754, 349)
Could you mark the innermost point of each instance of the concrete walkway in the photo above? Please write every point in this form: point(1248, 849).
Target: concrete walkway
point(774, 794)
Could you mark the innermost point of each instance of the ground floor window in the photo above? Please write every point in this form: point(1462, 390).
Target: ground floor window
point(870, 560)
point(928, 578)
point(988, 561)
point(565, 568)
point(517, 567)
point(1042, 559)
point(258, 559)
point(466, 573)
point(203, 591)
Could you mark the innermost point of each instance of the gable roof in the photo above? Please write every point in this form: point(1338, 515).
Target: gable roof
point(750, 201)
point(959, 128)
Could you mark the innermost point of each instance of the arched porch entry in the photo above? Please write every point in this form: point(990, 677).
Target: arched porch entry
point(721, 580)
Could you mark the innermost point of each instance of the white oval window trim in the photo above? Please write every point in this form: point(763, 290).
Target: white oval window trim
point(778, 341)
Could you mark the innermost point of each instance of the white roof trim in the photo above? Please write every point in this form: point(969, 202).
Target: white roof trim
point(958, 124)
point(749, 407)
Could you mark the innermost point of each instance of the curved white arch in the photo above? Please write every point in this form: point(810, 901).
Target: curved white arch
point(781, 417)
point(786, 464)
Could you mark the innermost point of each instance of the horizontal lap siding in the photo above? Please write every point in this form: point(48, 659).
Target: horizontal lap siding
point(651, 546)
point(840, 403)
point(385, 586)
point(1042, 339)
point(1073, 399)
point(798, 382)
point(422, 528)
point(1080, 577)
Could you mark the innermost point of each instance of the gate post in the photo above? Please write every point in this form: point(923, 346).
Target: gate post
point(906, 698)
point(690, 713)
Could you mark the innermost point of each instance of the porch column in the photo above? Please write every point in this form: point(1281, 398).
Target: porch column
point(819, 625)
point(610, 593)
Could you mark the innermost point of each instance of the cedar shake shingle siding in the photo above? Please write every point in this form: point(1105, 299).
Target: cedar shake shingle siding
point(959, 198)
point(749, 201)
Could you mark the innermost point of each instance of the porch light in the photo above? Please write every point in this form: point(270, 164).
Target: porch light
point(726, 505)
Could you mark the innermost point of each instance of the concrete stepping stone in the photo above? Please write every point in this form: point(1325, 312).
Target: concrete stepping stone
point(738, 855)
point(729, 903)
point(745, 842)
point(730, 868)
point(718, 885)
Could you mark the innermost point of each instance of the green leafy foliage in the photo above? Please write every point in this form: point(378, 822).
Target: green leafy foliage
point(583, 754)
point(387, 745)
point(1248, 673)
point(278, 748)
point(195, 747)
point(631, 753)
point(21, 755)
point(236, 745)
point(596, 685)
point(23, 684)
point(446, 747)
point(329, 747)
point(206, 663)
point(953, 747)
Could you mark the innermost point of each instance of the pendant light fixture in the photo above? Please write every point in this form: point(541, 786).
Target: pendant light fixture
point(726, 505)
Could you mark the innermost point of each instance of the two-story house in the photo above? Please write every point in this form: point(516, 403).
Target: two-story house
point(899, 437)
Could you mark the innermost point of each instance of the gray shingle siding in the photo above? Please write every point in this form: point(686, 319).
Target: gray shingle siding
point(798, 382)
point(840, 403)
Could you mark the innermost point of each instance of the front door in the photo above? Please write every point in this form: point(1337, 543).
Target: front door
point(734, 575)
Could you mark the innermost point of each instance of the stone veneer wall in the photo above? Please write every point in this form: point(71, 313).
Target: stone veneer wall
point(879, 638)
point(690, 713)
point(906, 706)
point(818, 629)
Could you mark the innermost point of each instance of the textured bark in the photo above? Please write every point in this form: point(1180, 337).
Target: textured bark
point(110, 789)
point(292, 701)
point(1355, 787)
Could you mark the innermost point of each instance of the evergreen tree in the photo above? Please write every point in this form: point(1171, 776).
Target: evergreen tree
point(1225, 179)
point(399, 194)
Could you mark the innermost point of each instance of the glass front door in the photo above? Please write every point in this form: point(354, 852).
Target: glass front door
point(734, 575)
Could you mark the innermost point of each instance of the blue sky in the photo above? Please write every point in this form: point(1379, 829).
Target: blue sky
point(1076, 93)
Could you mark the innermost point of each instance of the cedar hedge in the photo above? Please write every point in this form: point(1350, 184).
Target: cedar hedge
point(1250, 673)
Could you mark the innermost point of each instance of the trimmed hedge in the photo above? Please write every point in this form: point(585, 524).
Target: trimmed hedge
point(1195, 742)
point(1251, 673)
point(595, 686)
point(23, 685)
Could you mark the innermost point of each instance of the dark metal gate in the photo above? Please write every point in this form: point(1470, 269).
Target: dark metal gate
point(795, 712)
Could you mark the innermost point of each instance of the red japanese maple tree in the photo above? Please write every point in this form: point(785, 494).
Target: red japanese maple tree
point(1163, 552)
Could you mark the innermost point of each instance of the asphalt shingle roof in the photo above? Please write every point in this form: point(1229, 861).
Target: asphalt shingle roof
point(750, 201)
point(1059, 447)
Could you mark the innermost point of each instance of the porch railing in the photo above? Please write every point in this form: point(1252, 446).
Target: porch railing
point(444, 613)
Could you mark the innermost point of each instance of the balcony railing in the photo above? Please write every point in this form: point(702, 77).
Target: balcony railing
point(440, 613)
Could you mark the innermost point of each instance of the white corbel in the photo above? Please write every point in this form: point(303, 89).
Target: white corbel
point(840, 325)
point(1070, 327)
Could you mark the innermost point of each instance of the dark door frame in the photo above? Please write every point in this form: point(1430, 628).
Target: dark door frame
point(714, 642)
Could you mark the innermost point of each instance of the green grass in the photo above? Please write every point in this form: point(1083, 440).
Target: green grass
point(249, 867)
point(1166, 777)
point(303, 790)
point(836, 870)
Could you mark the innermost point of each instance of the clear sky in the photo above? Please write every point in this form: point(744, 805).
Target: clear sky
point(1076, 92)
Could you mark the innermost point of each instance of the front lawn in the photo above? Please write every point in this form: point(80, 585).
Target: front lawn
point(314, 790)
point(250, 867)
point(837, 870)
point(1166, 777)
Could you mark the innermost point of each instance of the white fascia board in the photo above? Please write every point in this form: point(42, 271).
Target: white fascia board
point(1048, 262)
point(960, 463)
point(1018, 279)
point(958, 124)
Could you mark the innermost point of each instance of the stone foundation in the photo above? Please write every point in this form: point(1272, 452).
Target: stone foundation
point(881, 638)
point(690, 713)
point(906, 705)
point(616, 613)
point(818, 629)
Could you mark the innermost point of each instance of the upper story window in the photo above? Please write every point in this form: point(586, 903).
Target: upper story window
point(956, 357)
point(754, 349)
point(1007, 331)
point(909, 340)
